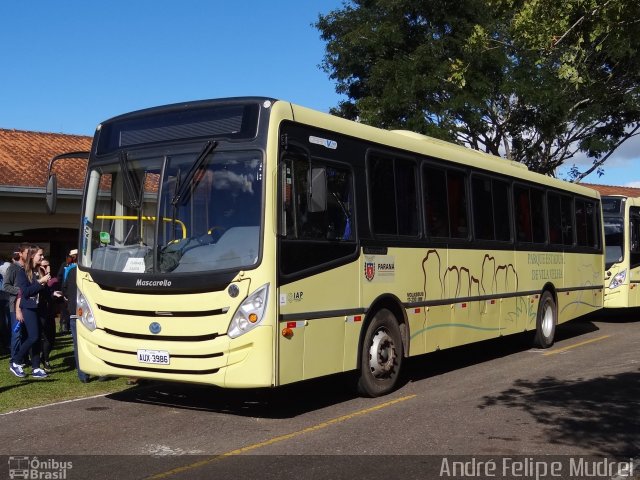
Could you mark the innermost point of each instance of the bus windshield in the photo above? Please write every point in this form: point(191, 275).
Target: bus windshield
point(181, 209)
point(614, 240)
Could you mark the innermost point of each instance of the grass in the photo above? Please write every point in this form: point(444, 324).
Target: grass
point(61, 384)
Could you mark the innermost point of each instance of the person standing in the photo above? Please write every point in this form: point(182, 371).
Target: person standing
point(64, 313)
point(9, 286)
point(5, 316)
point(27, 313)
point(70, 291)
point(47, 314)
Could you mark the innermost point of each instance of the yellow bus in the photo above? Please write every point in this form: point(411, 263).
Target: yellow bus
point(251, 242)
point(622, 251)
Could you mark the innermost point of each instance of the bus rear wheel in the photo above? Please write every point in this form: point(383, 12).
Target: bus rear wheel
point(546, 321)
point(381, 356)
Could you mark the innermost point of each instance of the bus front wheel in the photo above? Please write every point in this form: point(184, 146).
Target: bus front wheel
point(381, 356)
point(546, 321)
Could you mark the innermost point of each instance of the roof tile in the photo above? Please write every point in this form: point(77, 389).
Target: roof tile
point(614, 190)
point(25, 156)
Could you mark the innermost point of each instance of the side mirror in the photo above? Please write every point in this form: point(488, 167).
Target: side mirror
point(318, 190)
point(52, 193)
point(52, 181)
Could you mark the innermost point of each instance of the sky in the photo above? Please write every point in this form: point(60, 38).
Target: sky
point(68, 65)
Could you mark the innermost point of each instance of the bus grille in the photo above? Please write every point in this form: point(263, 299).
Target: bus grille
point(148, 313)
point(164, 338)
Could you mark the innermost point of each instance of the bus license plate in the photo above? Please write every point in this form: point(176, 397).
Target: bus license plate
point(156, 357)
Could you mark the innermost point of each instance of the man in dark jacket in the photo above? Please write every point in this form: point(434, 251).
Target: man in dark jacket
point(10, 288)
point(64, 314)
point(5, 317)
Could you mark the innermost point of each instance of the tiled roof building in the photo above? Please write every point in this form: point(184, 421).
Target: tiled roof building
point(24, 161)
point(614, 190)
point(24, 158)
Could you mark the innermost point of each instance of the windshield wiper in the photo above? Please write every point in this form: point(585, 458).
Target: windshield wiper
point(185, 185)
point(130, 183)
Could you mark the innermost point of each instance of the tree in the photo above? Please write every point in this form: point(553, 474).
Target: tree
point(536, 81)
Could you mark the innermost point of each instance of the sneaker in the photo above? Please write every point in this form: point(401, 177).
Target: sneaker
point(39, 373)
point(47, 367)
point(16, 370)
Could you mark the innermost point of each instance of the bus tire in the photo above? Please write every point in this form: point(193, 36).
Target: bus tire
point(546, 321)
point(381, 356)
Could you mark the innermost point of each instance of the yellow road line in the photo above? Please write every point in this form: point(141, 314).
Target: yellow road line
point(564, 349)
point(281, 438)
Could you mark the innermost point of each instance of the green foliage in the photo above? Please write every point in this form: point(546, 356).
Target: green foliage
point(534, 80)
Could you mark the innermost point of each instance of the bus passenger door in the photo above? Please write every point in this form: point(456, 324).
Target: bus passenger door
point(317, 262)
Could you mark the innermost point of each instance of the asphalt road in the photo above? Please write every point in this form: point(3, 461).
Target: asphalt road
point(481, 402)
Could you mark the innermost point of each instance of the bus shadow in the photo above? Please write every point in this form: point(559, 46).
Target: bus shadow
point(445, 361)
point(275, 403)
point(616, 315)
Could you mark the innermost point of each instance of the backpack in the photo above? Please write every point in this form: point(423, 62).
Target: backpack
point(67, 269)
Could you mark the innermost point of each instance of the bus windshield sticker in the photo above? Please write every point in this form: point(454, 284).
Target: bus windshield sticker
point(134, 265)
point(86, 234)
point(332, 144)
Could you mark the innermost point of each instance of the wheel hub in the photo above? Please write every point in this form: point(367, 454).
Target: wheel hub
point(382, 354)
point(547, 321)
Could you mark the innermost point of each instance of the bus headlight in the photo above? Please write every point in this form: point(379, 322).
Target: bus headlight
point(84, 313)
point(618, 279)
point(250, 312)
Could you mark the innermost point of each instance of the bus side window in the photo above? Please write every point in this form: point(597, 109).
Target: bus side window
point(581, 223)
point(435, 201)
point(586, 223)
point(482, 208)
point(566, 214)
point(537, 216)
point(445, 202)
point(339, 216)
point(393, 198)
point(300, 222)
point(555, 219)
point(490, 209)
point(457, 204)
point(501, 215)
point(383, 197)
point(523, 214)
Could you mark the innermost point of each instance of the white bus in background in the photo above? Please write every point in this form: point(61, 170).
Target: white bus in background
point(622, 240)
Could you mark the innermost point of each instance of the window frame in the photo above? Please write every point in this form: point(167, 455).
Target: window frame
point(370, 157)
point(446, 168)
point(543, 190)
point(506, 181)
